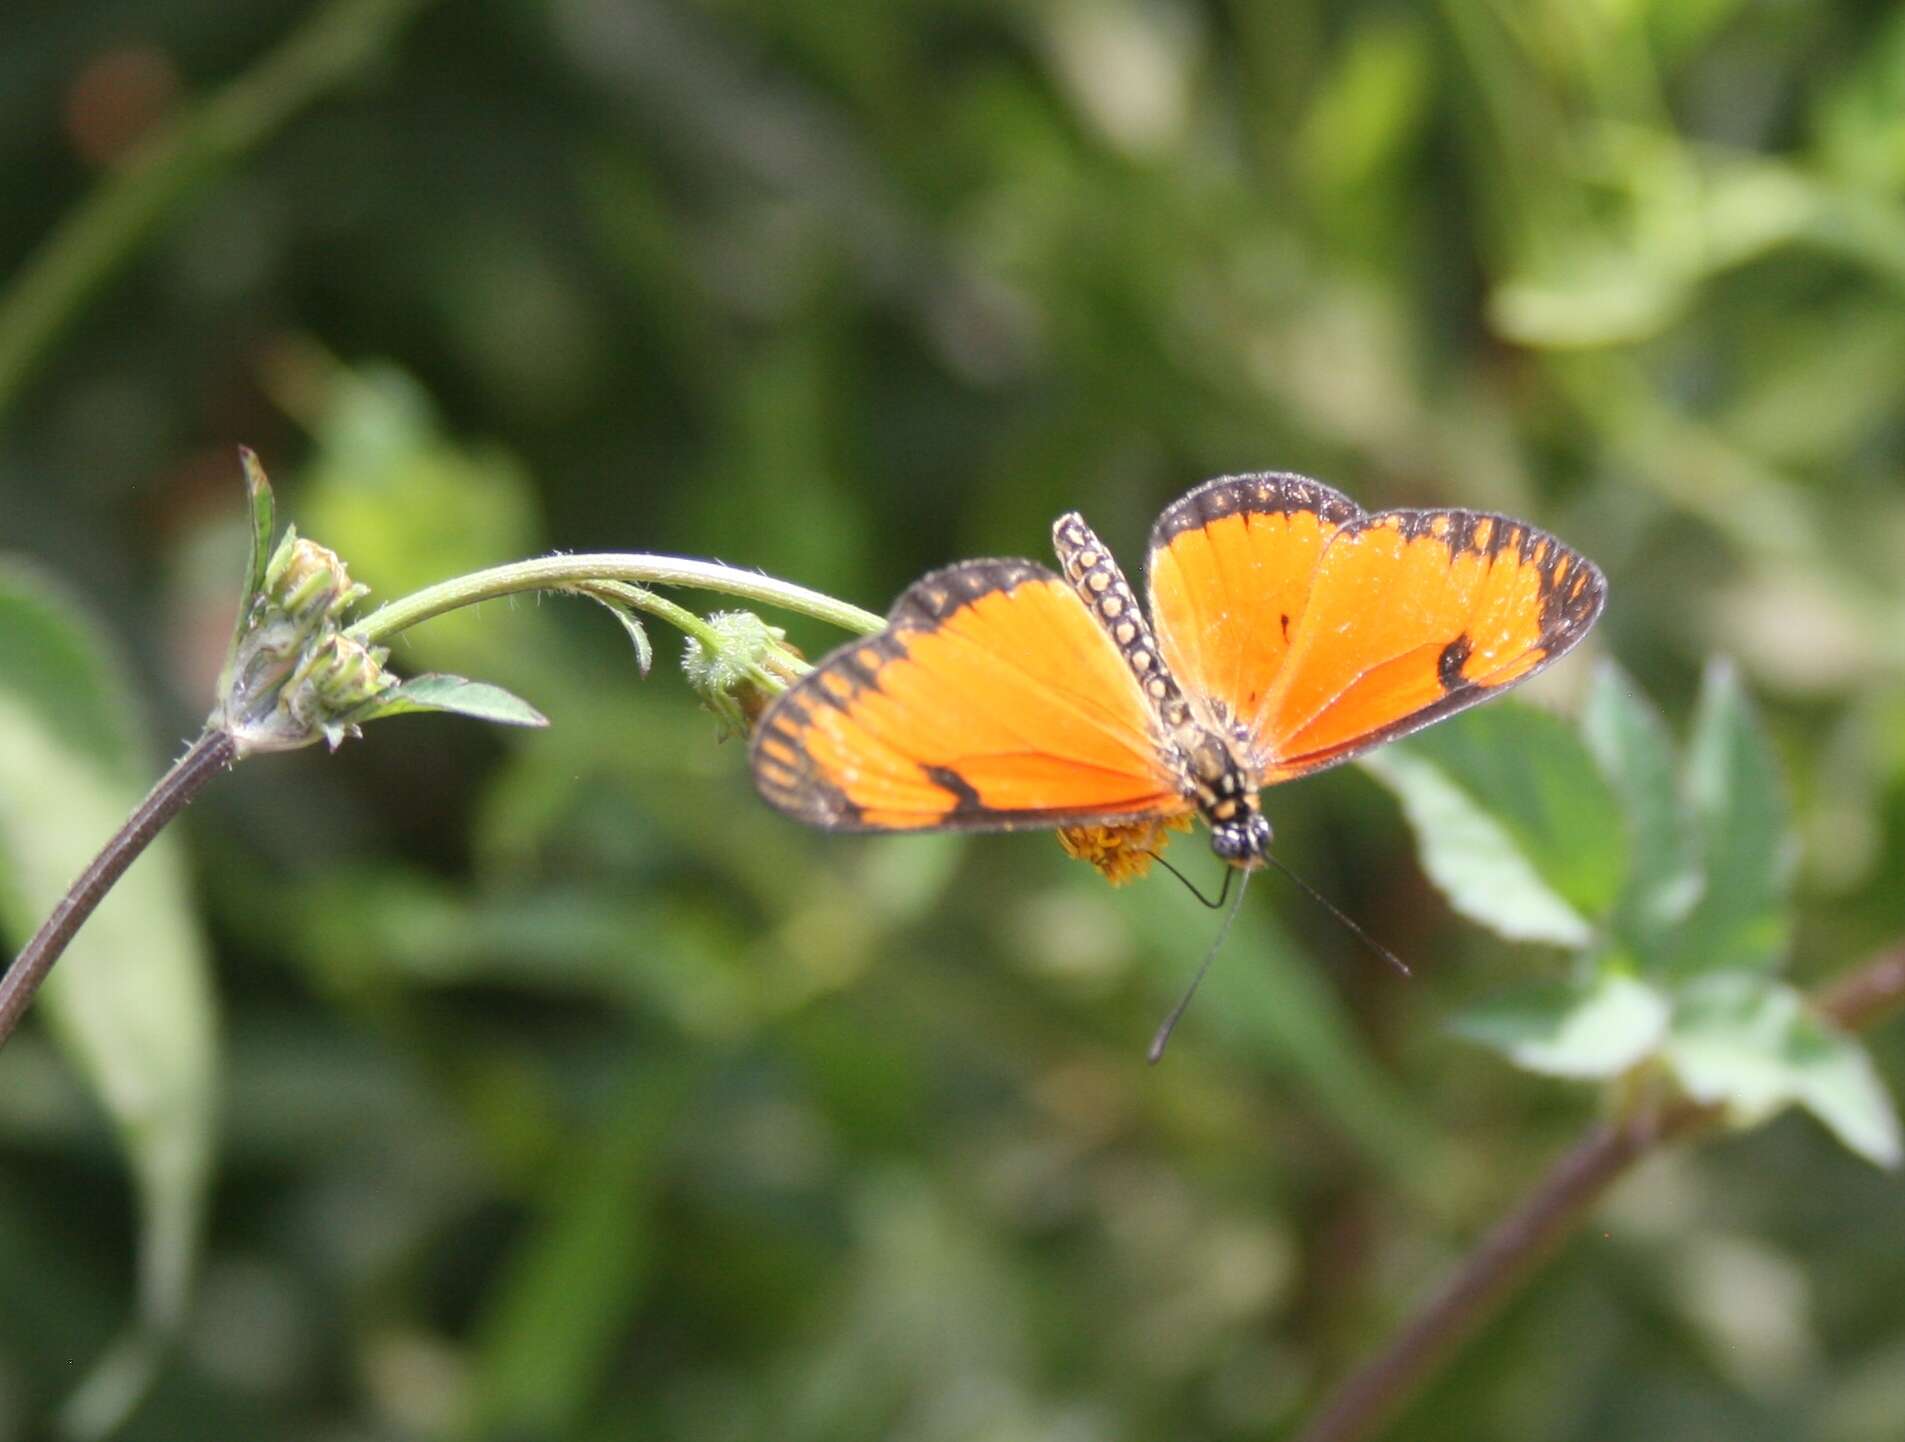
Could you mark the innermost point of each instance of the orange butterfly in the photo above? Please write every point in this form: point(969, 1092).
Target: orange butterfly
point(1288, 631)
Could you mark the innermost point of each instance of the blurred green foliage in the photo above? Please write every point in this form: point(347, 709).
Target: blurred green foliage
point(567, 1092)
point(1679, 907)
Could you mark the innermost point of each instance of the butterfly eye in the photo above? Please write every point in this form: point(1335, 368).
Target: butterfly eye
point(1243, 841)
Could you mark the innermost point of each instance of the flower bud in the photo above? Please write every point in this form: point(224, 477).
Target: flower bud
point(293, 676)
point(749, 666)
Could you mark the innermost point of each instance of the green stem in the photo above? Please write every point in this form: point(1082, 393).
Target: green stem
point(576, 573)
point(640, 598)
point(106, 229)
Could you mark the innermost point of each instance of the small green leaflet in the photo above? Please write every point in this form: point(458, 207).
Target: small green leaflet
point(476, 699)
point(1513, 822)
point(1593, 1028)
point(1755, 1047)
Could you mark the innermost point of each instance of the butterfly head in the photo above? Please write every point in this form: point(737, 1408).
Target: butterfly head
point(1226, 794)
point(1244, 840)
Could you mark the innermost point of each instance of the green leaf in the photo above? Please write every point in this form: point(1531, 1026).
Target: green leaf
point(631, 623)
point(1752, 1046)
point(1743, 917)
point(131, 1002)
point(409, 504)
point(476, 699)
point(1472, 859)
point(1371, 107)
point(258, 498)
point(1593, 1028)
point(1635, 753)
point(558, 1313)
point(1531, 771)
point(1597, 293)
point(1513, 821)
point(257, 561)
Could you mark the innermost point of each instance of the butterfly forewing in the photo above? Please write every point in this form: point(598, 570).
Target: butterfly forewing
point(1231, 566)
point(1412, 616)
point(992, 700)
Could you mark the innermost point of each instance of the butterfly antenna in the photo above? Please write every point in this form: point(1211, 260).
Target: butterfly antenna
point(1163, 1037)
point(1334, 910)
point(1191, 886)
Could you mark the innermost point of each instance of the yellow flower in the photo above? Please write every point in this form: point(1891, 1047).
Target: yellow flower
point(1123, 851)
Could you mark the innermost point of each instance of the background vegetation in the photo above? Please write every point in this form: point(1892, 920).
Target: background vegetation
point(544, 1084)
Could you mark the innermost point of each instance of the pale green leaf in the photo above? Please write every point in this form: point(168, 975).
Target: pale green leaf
point(1599, 294)
point(408, 504)
point(1742, 918)
point(1371, 106)
point(476, 699)
point(1534, 775)
point(1635, 753)
point(631, 623)
point(1752, 1046)
point(258, 500)
point(1597, 1027)
point(131, 1001)
point(1471, 856)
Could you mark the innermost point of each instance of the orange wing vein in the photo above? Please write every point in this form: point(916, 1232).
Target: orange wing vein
point(1412, 616)
point(1231, 565)
point(993, 700)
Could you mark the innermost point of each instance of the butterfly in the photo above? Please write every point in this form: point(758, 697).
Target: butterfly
point(1287, 630)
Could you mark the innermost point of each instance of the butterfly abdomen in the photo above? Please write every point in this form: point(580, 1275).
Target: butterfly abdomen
point(1095, 575)
point(1208, 770)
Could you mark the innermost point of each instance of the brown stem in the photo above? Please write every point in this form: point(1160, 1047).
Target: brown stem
point(210, 754)
point(1862, 998)
point(1508, 1255)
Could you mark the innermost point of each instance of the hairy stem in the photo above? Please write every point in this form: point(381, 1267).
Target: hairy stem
point(210, 754)
point(574, 573)
point(1504, 1259)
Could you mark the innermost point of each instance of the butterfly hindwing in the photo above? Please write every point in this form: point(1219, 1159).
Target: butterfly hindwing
point(1231, 565)
point(993, 700)
point(1412, 616)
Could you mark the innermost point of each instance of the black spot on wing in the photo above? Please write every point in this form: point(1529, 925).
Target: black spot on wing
point(798, 789)
point(966, 800)
point(1572, 588)
point(1572, 592)
point(1448, 666)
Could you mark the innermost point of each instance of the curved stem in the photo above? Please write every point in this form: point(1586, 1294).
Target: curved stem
point(210, 754)
point(571, 573)
point(1494, 1271)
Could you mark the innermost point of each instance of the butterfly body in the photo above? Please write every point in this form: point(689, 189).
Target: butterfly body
point(1287, 631)
point(1197, 752)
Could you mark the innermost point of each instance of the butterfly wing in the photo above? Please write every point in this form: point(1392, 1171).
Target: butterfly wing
point(992, 701)
point(1412, 616)
point(1231, 566)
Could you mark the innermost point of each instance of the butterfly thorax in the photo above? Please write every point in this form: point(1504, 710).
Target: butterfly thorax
point(1206, 762)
